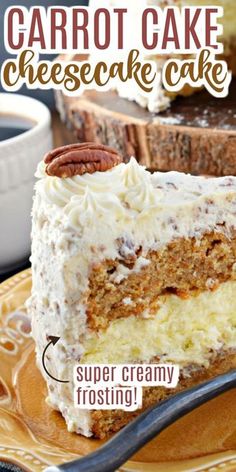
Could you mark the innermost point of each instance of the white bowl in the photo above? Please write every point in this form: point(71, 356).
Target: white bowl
point(19, 157)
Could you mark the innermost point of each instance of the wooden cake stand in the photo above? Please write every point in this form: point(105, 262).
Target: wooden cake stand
point(196, 134)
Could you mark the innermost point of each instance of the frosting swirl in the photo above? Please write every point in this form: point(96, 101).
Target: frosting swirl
point(81, 209)
point(134, 174)
point(142, 196)
point(59, 191)
point(119, 193)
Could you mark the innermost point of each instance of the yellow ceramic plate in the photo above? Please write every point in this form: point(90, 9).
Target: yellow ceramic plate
point(33, 436)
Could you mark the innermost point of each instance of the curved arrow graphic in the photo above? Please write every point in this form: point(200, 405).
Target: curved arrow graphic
point(53, 341)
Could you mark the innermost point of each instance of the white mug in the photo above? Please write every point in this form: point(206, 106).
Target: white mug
point(19, 157)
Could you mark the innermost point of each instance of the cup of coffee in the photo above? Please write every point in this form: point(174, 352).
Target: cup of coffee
point(25, 136)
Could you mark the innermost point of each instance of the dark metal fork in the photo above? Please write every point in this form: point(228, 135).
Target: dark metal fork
point(145, 427)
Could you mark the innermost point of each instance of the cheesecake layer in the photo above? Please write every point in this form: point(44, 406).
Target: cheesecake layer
point(182, 331)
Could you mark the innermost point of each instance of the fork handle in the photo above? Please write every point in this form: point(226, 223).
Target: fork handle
point(146, 426)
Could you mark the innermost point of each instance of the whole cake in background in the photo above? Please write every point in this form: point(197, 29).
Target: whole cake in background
point(161, 99)
point(128, 267)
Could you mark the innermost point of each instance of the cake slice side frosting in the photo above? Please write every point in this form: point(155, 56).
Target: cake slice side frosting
point(126, 251)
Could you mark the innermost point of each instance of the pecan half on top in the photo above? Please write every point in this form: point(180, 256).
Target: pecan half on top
point(78, 159)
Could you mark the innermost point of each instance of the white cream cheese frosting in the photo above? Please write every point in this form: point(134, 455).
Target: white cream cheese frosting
point(130, 201)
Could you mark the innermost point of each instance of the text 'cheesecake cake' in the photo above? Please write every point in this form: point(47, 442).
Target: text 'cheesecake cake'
point(130, 267)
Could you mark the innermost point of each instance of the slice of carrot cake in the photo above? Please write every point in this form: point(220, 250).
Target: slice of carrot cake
point(130, 267)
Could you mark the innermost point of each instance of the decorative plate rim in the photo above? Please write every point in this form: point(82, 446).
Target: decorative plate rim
point(225, 461)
